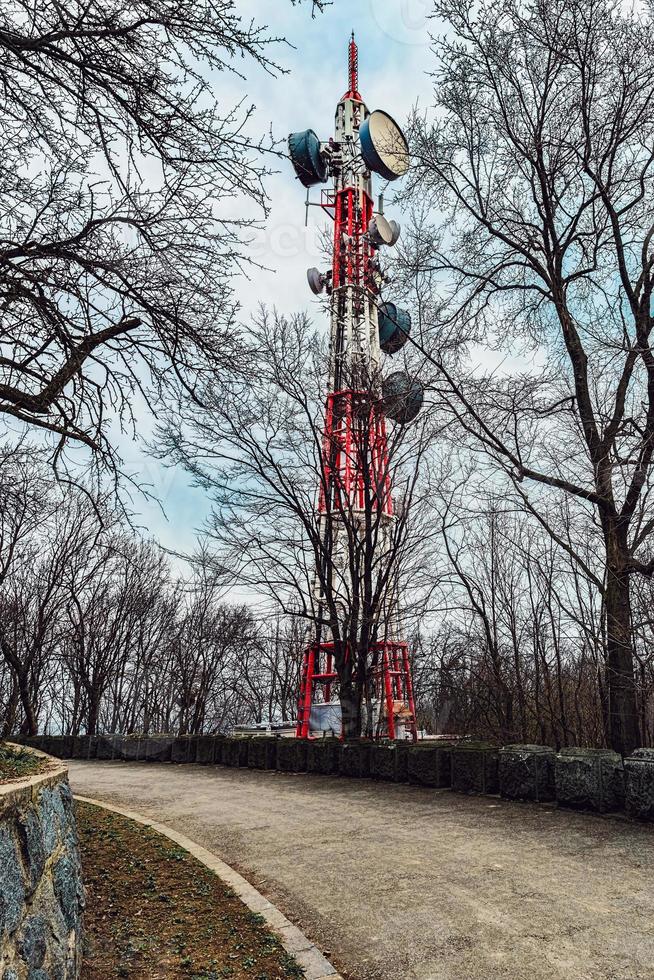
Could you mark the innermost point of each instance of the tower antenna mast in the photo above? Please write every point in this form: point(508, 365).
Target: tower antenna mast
point(355, 479)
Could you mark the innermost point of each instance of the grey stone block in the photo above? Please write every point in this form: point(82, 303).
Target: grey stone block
point(355, 759)
point(430, 764)
point(87, 745)
point(139, 749)
point(403, 749)
point(292, 754)
point(129, 747)
point(117, 743)
point(323, 756)
point(475, 768)
point(590, 779)
point(106, 748)
point(205, 748)
point(32, 944)
point(54, 745)
point(32, 845)
point(235, 752)
point(34, 741)
point(639, 784)
point(53, 817)
point(219, 750)
point(183, 749)
point(527, 773)
point(243, 751)
point(12, 888)
point(67, 881)
point(383, 762)
point(157, 748)
point(262, 752)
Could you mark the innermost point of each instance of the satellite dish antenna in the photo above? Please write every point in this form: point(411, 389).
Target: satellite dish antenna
point(383, 146)
point(380, 231)
point(307, 158)
point(396, 229)
point(402, 397)
point(316, 280)
point(394, 327)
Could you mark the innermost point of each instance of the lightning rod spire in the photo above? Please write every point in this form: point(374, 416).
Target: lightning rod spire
point(353, 70)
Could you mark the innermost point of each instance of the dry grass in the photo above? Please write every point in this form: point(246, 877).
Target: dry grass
point(16, 764)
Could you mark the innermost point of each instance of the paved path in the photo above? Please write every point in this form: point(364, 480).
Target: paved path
point(401, 883)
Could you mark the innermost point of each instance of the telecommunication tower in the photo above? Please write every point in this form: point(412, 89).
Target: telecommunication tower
point(361, 396)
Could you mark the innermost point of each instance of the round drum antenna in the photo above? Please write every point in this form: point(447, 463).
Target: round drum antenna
point(380, 231)
point(316, 280)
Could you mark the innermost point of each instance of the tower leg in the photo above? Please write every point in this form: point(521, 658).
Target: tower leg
point(388, 690)
point(409, 691)
point(306, 690)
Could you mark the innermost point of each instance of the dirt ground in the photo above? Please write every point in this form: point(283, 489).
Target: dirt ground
point(401, 883)
point(155, 913)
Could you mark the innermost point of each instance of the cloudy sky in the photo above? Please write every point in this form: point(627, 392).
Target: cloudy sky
point(394, 56)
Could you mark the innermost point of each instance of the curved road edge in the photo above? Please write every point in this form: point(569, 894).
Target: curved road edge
point(306, 953)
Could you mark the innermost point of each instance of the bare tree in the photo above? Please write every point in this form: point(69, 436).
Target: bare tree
point(211, 639)
point(98, 633)
point(527, 627)
point(126, 187)
point(260, 451)
point(540, 161)
point(116, 605)
point(33, 591)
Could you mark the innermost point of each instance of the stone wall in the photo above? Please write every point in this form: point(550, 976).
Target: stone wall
point(586, 779)
point(41, 893)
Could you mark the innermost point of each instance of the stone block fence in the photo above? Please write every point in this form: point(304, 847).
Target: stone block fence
point(585, 779)
point(41, 893)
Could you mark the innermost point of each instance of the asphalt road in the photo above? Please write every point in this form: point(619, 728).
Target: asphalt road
point(400, 883)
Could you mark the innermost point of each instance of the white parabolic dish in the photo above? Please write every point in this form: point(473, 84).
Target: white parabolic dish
point(389, 142)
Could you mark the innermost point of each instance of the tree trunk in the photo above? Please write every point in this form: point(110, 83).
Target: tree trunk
point(94, 710)
point(30, 723)
point(10, 712)
point(350, 710)
point(21, 673)
point(622, 708)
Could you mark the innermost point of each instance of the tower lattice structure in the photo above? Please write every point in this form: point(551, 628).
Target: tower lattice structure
point(355, 459)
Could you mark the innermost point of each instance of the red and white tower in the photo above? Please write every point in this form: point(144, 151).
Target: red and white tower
point(356, 477)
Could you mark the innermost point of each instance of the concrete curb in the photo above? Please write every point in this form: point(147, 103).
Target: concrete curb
point(306, 953)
